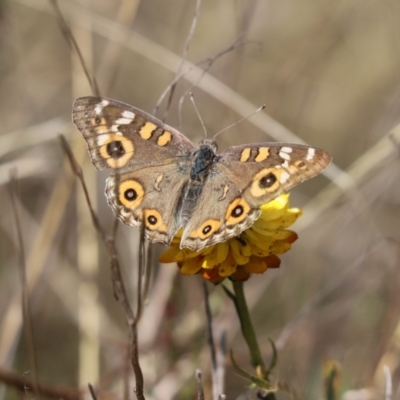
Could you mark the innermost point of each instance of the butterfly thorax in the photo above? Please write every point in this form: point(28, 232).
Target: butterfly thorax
point(202, 162)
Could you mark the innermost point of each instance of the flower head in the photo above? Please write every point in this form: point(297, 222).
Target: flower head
point(252, 252)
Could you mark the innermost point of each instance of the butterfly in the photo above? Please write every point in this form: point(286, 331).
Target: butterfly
point(159, 178)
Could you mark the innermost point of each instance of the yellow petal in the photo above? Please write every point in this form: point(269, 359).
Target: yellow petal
point(226, 269)
point(261, 251)
point(285, 221)
point(257, 265)
point(245, 250)
point(260, 239)
point(169, 255)
point(274, 208)
point(222, 251)
point(238, 256)
point(191, 266)
point(210, 260)
point(177, 238)
point(280, 247)
point(263, 235)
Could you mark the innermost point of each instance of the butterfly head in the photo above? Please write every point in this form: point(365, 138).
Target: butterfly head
point(209, 144)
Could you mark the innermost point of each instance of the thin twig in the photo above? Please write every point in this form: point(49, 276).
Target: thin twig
point(183, 57)
point(200, 390)
point(109, 66)
point(137, 370)
point(140, 274)
point(209, 63)
point(69, 37)
point(92, 392)
point(217, 356)
point(148, 272)
point(14, 379)
point(26, 310)
point(127, 363)
point(221, 362)
point(77, 170)
point(133, 327)
point(120, 292)
point(388, 383)
point(210, 338)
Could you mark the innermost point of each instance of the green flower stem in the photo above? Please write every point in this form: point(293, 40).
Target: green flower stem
point(248, 331)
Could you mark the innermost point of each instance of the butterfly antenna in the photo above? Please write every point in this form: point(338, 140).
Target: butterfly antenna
point(198, 114)
point(241, 120)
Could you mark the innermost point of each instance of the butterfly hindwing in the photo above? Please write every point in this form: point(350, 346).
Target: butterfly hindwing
point(220, 213)
point(144, 197)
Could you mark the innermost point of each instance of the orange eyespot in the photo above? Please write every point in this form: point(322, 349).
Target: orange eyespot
point(237, 211)
point(266, 182)
point(153, 220)
point(131, 194)
point(116, 150)
point(206, 229)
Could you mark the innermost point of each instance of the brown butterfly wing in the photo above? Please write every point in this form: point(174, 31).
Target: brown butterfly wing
point(263, 171)
point(150, 163)
point(121, 137)
point(244, 178)
point(150, 196)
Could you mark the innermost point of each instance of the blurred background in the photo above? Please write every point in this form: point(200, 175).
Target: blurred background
point(329, 75)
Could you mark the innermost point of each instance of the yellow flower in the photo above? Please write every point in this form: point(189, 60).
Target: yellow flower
point(252, 252)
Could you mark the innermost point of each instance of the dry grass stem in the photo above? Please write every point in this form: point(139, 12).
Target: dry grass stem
point(25, 297)
point(120, 292)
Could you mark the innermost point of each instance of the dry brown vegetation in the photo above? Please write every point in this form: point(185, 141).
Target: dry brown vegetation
point(329, 75)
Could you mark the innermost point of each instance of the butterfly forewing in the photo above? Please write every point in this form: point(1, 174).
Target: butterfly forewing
point(120, 136)
point(263, 171)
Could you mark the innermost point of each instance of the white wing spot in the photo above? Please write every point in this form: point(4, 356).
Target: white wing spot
point(123, 121)
point(158, 181)
point(284, 176)
point(284, 155)
point(128, 114)
point(286, 149)
point(99, 108)
point(310, 154)
point(101, 139)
